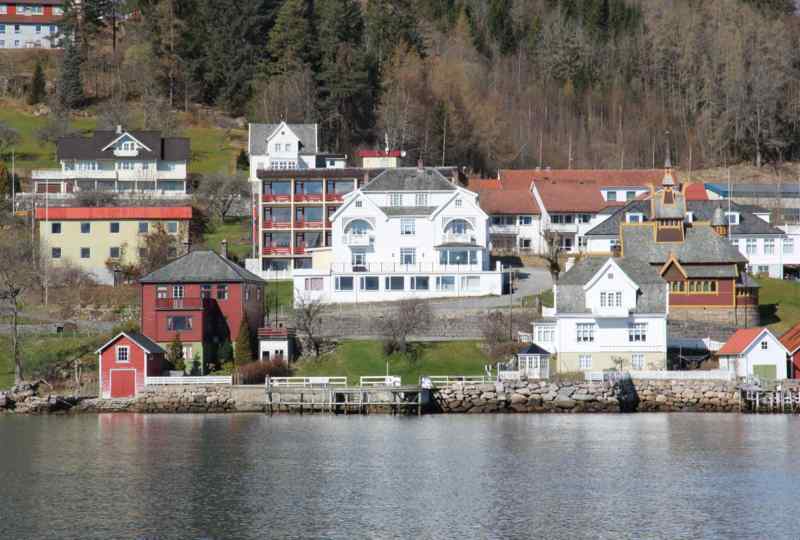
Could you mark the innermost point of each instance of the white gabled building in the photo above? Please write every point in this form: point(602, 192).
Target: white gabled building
point(285, 146)
point(409, 233)
point(755, 351)
point(611, 313)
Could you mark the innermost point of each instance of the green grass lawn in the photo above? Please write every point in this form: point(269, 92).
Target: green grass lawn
point(236, 231)
point(42, 351)
point(213, 149)
point(780, 303)
point(365, 358)
point(31, 153)
point(283, 290)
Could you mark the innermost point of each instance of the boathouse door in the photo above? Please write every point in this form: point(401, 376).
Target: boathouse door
point(123, 383)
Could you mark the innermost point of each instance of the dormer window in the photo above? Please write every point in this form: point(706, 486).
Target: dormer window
point(288, 147)
point(611, 196)
point(634, 217)
point(611, 299)
point(395, 199)
point(421, 199)
point(732, 217)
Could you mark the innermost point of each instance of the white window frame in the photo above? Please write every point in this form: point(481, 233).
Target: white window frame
point(637, 361)
point(404, 252)
point(421, 199)
point(769, 246)
point(339, 283)
point(732, 218)
point(178, 291)
point(585, 362)
point(408, 226)
point(414, 284)
point(764, 345)
point(788, 246)
point(634, 217)
point(584, 332)
point(458, 203)
point(637, 332)
point(751, 246)
point(121, 348)
point(395, 199)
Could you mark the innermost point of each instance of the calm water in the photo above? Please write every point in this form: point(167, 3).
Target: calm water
point(523, 476)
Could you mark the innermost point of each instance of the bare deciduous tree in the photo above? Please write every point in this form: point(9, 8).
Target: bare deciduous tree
point(16, 277)
point(307, 317)
point(401, 321)
point(218, 193)
point(552, 250)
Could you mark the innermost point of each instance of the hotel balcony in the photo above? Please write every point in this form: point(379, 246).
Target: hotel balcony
point(358, 240)
point(179, 303)
point(279, 198)
point(504, 229)
point(309, 225)
point(308, 197)
point(283, 250)
point(269, 224)
point(334, 197)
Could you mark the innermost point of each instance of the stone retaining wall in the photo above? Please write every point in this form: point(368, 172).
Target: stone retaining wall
point(574, 397)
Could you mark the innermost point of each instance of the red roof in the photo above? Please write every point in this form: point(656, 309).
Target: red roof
point(572, 196)
point(791, 339)
point(379, 153)
point(740, 341)
point(116, 212)
point(696, 191)
point(507, 201)
point(480, 184)
point(604, 177)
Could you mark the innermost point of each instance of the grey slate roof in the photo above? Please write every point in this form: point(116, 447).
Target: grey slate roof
point(533, 348)
point(571, 297)
point(677, 210)
point(307, 133)
point(410, 179)
point(393, 211)
point(161, 148)
point(201, 267)
point(701, 246)
point(749, 223)
point(709, 271)
point(145, 343)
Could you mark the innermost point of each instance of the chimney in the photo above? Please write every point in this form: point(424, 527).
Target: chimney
point(223, 248)
point(119, 129)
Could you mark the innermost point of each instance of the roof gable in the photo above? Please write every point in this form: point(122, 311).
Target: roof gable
point(126, 135)
point(201, 267)
point(261, 133)
point(740, 342)
point(142, 341)
point(609, 266)
point(791, 339)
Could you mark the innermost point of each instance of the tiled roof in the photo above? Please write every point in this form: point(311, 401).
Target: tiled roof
point(168, 148)
point(408, 210)
point(121, 212)
point(481, 184)
point(749, 224)
point(307, 133)
point(709, 271)
point(410, 179)
point(695, 191)
point(571, 297)
point(701, 246)
point(740, 341)
point(571, 195)
point(771, 190)
point(494, 201)
point(791, 339)
point(201, 267)
point(604, 177)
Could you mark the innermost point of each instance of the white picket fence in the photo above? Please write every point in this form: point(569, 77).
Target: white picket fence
point(152, 381)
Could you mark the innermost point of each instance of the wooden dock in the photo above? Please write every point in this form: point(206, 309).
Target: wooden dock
point(332, 395)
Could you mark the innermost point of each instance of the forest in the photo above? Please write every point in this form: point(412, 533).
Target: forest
point(483, 84)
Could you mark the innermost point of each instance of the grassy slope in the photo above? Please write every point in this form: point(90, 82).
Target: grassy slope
point(360, 358)
point(235, 231)
point(780, 303)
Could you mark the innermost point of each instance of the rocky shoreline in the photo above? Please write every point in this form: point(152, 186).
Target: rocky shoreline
point(534, 396)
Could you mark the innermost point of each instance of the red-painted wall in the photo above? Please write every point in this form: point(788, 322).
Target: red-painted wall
point(136, 356)
point(795, 366)
point(723, 297)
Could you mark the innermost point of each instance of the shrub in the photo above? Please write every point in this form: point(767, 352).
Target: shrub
point(257, 372)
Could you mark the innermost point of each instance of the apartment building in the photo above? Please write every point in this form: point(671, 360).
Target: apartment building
point(30, 24)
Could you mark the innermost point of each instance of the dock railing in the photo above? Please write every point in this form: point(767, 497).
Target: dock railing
point(306, 382)
point(224, 379)
point(698, 375)
point(387, 380)
point(437, 381)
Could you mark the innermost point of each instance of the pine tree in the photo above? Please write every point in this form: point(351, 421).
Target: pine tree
point(242, 161)
point(243, 352)
point(389, 23)
point(70, 86)
point(38, 86)
point(291, 39)
point(501, 25)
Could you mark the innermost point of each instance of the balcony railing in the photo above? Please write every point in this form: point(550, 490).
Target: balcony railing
point(333, 197)
point(458, 238)
point(278, 198)
point(309, 224)
point(277, 250)
point(391, 267)
point(269, 224)
point(358, 239)
point(504, 229)
point(179, 303)
point(308, 197)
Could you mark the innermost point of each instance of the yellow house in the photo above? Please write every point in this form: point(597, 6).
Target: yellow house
point(90, 238)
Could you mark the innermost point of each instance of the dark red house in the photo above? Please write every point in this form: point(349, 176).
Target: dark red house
point(203, 297)
point(125, 363)
point(791, 340)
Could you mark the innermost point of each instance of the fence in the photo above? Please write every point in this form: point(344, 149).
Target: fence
point(307, 382)
point(445, 380)
point(388, 380)
point(150, 381)
point(699, 375)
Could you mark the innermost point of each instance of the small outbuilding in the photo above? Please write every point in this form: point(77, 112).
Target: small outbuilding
point(534, 362)
point(276, 343)
point(754, 351)
point(125, 362)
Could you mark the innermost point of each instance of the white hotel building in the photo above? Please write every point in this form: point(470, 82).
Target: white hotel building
point(408, 233)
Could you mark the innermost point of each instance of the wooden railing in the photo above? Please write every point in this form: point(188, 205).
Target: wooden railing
point(179, 303)
point(306, 382)
point(381, 380)
point(437, 381)
point(697, 375)
point(208, 379)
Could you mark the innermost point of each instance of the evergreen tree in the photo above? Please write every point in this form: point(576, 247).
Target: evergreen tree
point(38, 86)
point(225, 353)
point(501, 26)
point(175, 354)
point(70, 85)
point(389, 23)
point(242, 161)
point(291, 38)
point(243, 352)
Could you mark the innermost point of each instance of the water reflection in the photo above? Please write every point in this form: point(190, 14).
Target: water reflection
point(251, 476)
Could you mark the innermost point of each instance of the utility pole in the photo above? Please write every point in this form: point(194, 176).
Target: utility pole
point(13, 183)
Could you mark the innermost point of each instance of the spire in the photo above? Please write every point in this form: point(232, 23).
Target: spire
point(668, 159)
point(668, 180)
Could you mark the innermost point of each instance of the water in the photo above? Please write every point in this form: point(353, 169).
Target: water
point(506, 476)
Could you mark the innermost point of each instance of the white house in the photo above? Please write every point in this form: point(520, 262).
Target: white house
point(288, 147)
point(409, 233)
point(130, 162)
point(754, 351)
point(610, 313)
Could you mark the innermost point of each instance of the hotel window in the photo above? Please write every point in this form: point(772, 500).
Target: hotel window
point(585, 361)
point(205, 291)
point(395, 283)
point(344, 283)
point(222, 291)
point(178, 324)
point(421, 199)
point(123, 354)
point(769, 247)
point(751, 247)
point(113, 252)
point(55, 253)
point(58, 10)
point(407, 226)
point(637, 361)
point(630, 195)
point(420, 283)
point(395, 199)
point(55, 228)
point(86, 228)
point(545, 334)
point(788, 246)
point(313, 284)
point(86, 253)
point(113, 227)
point(177, 291)
point(445, 283)
point(17, 30)
point(584, 332)
point(408, 256)
point(144, 227)
point(637, 332)
point(584, 218)
point(276, 147)
point(369, 283)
